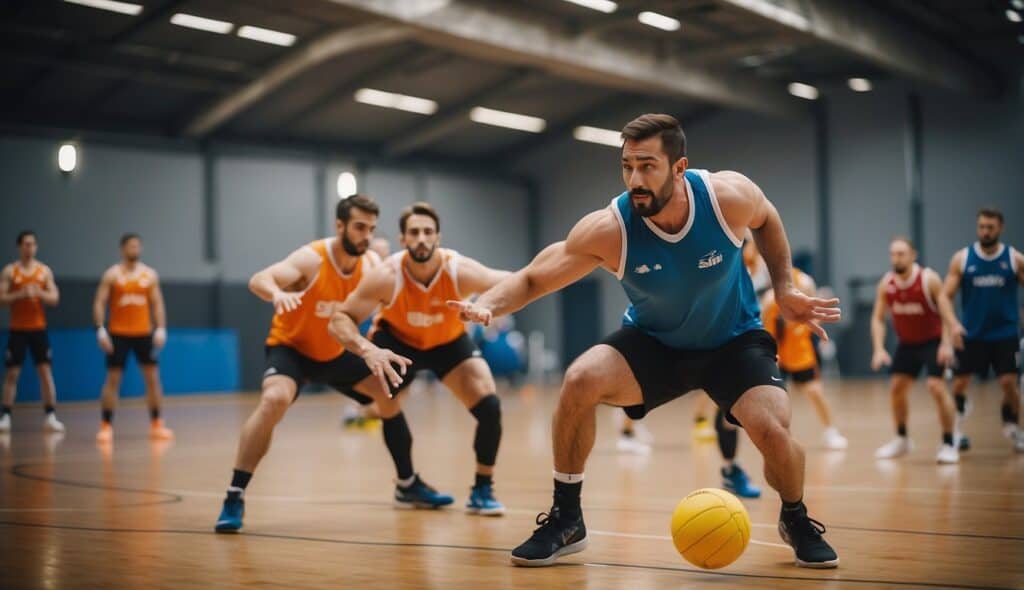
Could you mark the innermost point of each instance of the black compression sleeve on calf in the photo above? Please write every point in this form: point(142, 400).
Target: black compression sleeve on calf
point(398, 438)
point(728, 438)
point(488, 429)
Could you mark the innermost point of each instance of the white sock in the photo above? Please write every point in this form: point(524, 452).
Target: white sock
point(236, 489)
point(407, 481)
point(568, 477)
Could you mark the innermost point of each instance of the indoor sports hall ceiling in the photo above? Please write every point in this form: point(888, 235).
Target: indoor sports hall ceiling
point(143, 66)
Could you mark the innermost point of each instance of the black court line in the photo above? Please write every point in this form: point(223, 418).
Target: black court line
point(501, 550)
point(19, 471)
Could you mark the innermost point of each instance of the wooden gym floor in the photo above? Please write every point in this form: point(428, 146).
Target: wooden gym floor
point(140, 515)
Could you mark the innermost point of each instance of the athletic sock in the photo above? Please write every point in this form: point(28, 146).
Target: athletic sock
point(902, 430)
point(398, 439)
point(154, 413)
point(947, 438)
point(108, 416)
point(239, 481)
point(961, 403)
point(48, 409)
point(483, 480)
point(567, 494)
point(1009, 416)
point(5, 410)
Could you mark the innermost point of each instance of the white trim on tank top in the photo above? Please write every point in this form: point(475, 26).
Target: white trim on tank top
point(706, 177)
point(676, 237)
point(927, 291)
point(988, 257)
point(621, 270)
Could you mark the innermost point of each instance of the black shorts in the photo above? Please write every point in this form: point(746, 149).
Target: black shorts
point(910, 358)
point(440, 359)
point(142, 346)
point(978, 355)
point(804, 376)
point(665, 373)
point(19, 342)
point(341, 373)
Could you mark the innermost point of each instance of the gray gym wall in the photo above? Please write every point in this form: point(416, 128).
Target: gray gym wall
point(265, 204)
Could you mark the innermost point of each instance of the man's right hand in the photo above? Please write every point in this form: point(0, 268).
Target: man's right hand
point(380, 361)
point(285, 302)
point(880, 359)
point(471, 312)
point(103, 339)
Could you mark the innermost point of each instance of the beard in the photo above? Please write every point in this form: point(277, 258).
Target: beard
point(353, 249)
point(900, 268)
point(421, 253)
point(658, 201)
point(989, 241)
point(132, 257)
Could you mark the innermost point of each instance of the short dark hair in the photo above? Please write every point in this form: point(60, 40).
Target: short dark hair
point(419, 208)
point(22, 235)
point(362, 202)
point(905, 240)
point(129, 236)
point(673, 140)
point(991, 212)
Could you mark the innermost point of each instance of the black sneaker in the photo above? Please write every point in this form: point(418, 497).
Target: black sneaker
point(557, 536)
point(803, 534)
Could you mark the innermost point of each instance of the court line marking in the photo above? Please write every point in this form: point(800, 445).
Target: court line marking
point(668, 538)
point(177, 496)
point(504, 550)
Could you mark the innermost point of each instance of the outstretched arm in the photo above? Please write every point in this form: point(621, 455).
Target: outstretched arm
point(374, 289)
point(270, 283)
point(590, 244)
point(474, 277)
point(745, 206)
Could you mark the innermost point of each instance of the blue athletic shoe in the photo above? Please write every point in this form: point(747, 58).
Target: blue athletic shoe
point(737, 482)
point(482, 502)
point(420, 495)
point(230, 520)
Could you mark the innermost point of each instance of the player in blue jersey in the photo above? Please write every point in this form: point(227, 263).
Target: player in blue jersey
point(674, 240)
point(987, 274)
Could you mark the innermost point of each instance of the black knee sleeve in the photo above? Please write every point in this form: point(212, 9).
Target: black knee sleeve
point(488, 429)
point(727, 437)
point(398, 438)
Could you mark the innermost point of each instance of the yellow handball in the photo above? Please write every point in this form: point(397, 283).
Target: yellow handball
point(710, 528)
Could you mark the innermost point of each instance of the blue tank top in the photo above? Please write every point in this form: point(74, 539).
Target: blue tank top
point(989, 294)
point(689, 290)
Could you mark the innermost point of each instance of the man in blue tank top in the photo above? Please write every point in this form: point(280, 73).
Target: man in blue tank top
point(987, 274)
point(674, 241)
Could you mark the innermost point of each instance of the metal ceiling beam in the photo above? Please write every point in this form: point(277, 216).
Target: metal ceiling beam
point(317, 52)
point(451, 117)
point(495, 33)
point(858, 29)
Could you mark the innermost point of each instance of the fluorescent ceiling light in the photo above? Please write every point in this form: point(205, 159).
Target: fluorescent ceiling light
point(505, 119)
point(67, 157)
point(346, 185)
point(775, 13)
point(859, 84)
point(605, 6)
point(203, 24)
point(1018, 4)
point(111, 5)
point(1012, 15)
point(598, 135)
point(802, 90)
point(658, 21)
point(391, 100)
point(267, 36)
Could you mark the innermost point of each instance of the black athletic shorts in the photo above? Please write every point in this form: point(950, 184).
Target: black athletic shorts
point(978, 355)
point(440, 359)
point(19, 342)
point(910, 358)
point(665, 373)
point(804, 376)
point(142, 346)
point(341, 373)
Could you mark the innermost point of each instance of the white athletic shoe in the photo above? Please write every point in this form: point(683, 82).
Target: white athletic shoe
point(833, 440)
point(52, 424)
point(947, 455)
point(629, 444)
point(1010, 430)
point(897, 447)
point(642, 434)
point(5, 423)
